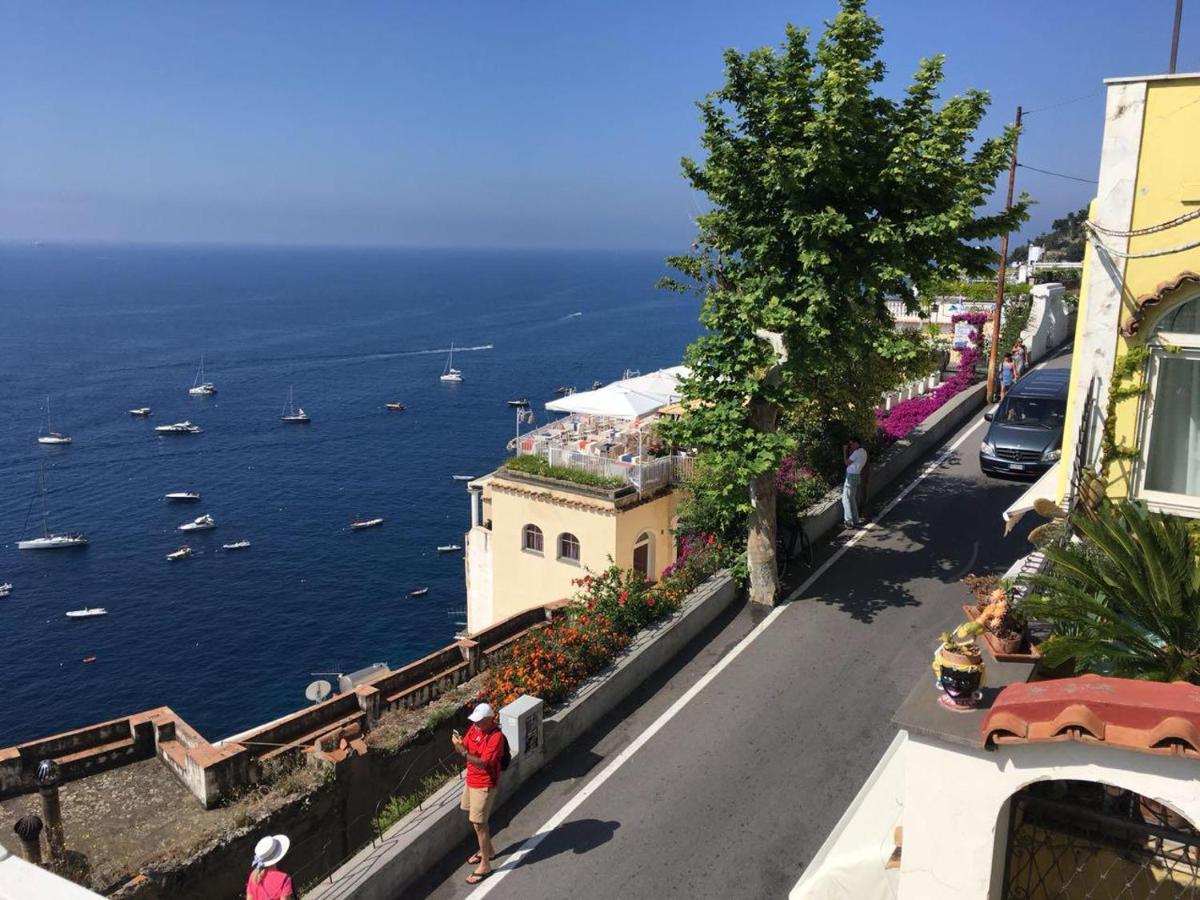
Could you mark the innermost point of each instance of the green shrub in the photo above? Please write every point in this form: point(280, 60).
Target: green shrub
point(535, 465)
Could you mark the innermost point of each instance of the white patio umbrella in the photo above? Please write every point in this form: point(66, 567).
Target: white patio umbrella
point(614, 400)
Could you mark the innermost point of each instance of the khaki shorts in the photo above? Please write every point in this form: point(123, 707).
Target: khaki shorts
point(478, 803)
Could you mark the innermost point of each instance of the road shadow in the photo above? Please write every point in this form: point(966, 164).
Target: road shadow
point(577, 837)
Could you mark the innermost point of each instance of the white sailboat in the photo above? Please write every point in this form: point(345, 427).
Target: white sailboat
point(51, 436)
point(451, 374)
point(292, 414)
point(200, 387)
point(49, 540)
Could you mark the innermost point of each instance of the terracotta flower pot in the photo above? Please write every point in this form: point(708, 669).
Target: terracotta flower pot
point(1009, 643)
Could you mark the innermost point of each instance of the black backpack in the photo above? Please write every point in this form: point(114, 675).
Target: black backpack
point(505, 753)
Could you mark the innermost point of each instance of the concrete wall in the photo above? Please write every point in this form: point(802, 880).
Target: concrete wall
point(478, 563)
point(1050, 322)
point(955, 804)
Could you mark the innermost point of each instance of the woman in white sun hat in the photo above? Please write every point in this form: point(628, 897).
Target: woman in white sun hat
point(266, 882)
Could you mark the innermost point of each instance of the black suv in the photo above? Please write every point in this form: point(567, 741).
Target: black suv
point(1025, 437)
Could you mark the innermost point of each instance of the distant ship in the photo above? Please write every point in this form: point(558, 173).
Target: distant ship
point(200, 387)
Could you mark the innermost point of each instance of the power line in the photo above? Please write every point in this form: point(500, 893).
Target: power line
point(1063, 102)
point(1058, 174)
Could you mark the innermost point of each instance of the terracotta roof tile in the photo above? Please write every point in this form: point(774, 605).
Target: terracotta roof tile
point(1143, 304)
point(1147, 716)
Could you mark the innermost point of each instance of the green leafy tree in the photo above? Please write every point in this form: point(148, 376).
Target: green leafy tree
point(1124, 600)
point(825, 198)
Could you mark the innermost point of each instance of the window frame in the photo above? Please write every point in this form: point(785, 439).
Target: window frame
point(1188, 347)
point(527, 531)
point(561, 542)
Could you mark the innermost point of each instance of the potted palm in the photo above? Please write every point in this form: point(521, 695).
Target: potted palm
point(1124, 599)
point(958, 668)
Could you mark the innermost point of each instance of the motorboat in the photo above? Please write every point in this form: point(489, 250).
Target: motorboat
point(448, 548)
point(142, 411)
point(49, 540)
point(200, 523)
point(563, 390)
point(236, 545)
point(182, 497)
point(419, 592)
point(292, 414)
point(597, 384)
point(396, 407)
point(178, 428)
point(181, 553)
point(51, 436)
point(451, 374)
point(200, 387)
point(89, 659)
point(520, 403)
point(5, 589)
point(462, 477)
point(360, 524)
point(87, 612)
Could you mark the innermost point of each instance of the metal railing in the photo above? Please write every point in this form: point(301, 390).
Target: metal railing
point(650, 475)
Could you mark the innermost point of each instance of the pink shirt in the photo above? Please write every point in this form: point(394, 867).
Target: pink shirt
point(274, 886)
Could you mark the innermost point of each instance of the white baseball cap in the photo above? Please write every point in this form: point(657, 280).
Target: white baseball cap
point(481, 712)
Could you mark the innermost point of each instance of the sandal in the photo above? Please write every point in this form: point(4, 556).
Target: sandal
point(475, 859)
point(476, 877)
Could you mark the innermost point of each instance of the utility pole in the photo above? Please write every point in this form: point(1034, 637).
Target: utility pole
point(1175, 37)
point(1012, 177)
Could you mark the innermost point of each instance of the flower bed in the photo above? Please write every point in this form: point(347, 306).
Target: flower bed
point(535, 465)
point(908, 414)
point(608, 610)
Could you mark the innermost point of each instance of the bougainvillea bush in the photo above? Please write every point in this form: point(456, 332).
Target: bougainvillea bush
point(797, 486)
point(908, 414)
point(608, 610)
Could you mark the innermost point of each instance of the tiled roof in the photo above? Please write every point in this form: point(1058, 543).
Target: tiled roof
point(1143, 304)
point(1147, 716)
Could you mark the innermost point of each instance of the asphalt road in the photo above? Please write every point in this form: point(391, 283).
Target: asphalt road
point(737, 792)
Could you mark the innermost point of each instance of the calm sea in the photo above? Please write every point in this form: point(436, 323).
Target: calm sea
point(231, 640)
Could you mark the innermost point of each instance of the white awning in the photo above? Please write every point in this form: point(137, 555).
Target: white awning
point(1045, 488)
point(614, 400)
point(661, 383)
point(20, 880)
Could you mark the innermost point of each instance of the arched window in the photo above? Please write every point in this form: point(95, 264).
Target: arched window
point(568, 547)
point(1170, 477)
point(643, 554)
point(1065, 838)
point(531, 539)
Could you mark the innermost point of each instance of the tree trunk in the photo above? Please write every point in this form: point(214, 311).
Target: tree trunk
point(760, 546)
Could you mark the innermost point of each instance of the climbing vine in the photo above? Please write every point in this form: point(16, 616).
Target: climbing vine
point(1126, 384)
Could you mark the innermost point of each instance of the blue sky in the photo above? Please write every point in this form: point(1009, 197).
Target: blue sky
point(473, 123)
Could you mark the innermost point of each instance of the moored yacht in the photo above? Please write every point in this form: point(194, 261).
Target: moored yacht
point(448, 548)
point(519, 403)
point(200, 523)
point(451, 374)
point(51, 436)
point(178, 428)
point(182, 497)
point(396, 407)
point(200, 387)
point(182, 553)
point(49, 540)
point(293, 414)
point(140, 411)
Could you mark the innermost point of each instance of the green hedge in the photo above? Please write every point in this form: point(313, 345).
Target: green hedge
point(535, 465)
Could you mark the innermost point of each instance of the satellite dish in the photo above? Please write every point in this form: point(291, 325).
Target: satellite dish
point(318, 690)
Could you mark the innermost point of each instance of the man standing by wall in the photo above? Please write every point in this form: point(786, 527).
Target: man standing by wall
point(855, 458)
point(483, 747)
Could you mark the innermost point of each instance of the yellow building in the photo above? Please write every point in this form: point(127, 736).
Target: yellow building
point(596, 488)
point(1135, 377)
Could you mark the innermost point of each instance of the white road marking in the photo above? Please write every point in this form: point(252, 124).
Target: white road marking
point(577, 800)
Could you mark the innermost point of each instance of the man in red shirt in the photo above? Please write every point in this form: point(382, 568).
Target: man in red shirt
point(483, 747)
